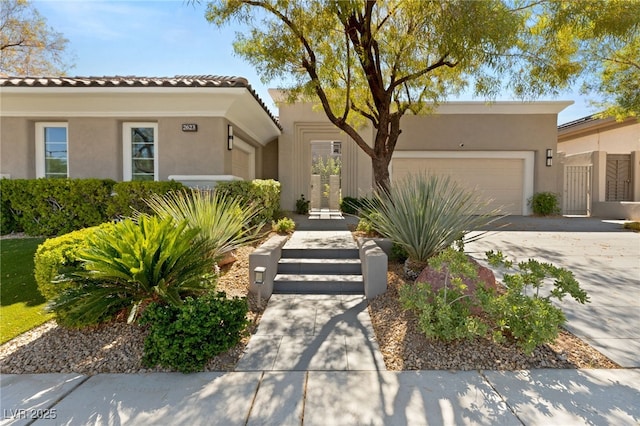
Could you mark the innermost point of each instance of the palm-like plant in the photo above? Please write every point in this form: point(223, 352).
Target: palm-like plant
point(224, 221)
point(151, 259)
point(426, 214)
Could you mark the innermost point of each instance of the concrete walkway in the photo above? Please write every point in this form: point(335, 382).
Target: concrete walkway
point(313, 332)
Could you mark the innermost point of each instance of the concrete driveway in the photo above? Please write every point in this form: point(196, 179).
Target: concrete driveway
point(604, 257)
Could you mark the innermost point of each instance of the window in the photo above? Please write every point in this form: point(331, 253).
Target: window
point(140, 151)
point(52, 150)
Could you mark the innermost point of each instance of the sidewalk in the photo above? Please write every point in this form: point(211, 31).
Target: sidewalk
point(538, 397)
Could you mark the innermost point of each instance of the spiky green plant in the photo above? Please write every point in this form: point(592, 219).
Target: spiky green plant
point(224, 221)
point(426, 214)
point(151, 259)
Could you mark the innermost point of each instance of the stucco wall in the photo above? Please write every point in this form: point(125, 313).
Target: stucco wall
point(617, 139)
point(533, 132)
point(95, 146)
point(17, 157)
point(302, 125)
point(487, 132)
point(193, 153)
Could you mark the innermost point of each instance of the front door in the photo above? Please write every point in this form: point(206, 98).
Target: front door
point(326, 168)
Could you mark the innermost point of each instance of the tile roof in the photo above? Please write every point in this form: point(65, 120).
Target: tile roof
point(126, 81)
point(197, 81)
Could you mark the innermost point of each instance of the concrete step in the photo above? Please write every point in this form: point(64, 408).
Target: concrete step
point(319, 266)
point(320, 253)
point(318, 284)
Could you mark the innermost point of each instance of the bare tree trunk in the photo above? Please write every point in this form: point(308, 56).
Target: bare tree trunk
point(380, 166)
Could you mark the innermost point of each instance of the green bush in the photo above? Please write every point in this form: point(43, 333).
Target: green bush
point(185, 337)
point(446, 313)
point(284, 226)
point(634, 226)
point(545, 204)
point(521, 312)
point(529, 321)
point(425, 214)
point(302, 205)
point(59, 255)
point(129, 197)
point(258, 192)
point(8, 223)
point(398, 253)
point(222, 219)
point(133, 264)
point(56, 206)
point(351, 205)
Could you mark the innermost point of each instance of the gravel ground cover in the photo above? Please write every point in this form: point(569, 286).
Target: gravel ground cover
point(117, 347)
point(404, 347)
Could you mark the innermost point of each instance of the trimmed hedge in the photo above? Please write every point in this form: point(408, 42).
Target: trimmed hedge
point(130, 196)
point(266, 193)
point(55, 206)
point(59, 255)
point(58, 206)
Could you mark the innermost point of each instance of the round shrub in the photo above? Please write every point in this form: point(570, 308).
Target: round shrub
point(57, 256)
point(185, 337)
point(545, 204)
point(284, 226)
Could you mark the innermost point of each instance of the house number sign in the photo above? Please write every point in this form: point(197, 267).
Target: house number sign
point(189, 127)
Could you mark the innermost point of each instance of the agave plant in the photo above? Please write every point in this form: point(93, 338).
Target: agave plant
point(426, 214)
point(224, 221)
point(135, 262)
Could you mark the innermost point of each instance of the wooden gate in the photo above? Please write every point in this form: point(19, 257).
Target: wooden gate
point(618, 177)
point(577, 190)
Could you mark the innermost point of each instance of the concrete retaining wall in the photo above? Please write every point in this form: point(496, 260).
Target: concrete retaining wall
point(374, 266)
point(267, 256)
point(629, 210)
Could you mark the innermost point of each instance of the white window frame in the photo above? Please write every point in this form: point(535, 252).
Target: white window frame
point(127, 160)
point(41, 168)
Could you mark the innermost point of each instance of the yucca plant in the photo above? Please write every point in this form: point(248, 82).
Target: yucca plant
point(222, 220)
point(135, 262)
point(426, 214)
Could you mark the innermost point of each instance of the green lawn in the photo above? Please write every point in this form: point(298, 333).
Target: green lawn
point(21, 304)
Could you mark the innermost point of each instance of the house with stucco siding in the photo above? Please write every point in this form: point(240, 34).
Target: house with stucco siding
point(204, 129)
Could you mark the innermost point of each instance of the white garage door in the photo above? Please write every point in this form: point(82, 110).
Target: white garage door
point(240, 163)
point(498, 180)
point(243, 159)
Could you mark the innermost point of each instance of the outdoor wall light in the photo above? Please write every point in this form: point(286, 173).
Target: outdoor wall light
point(258, 279)
point(258, 275)
point(229, 137)
point(549, 157)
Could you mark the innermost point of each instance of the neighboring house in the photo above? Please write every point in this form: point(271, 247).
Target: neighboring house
point(181, 128)
point(499, 150)
point(601, 162)
point(194, 129)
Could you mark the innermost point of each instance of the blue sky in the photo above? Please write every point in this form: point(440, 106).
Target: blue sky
point(167, 38)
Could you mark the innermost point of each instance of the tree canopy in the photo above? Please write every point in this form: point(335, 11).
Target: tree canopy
point(28, 46)
point(375, 61)
point(610, 37)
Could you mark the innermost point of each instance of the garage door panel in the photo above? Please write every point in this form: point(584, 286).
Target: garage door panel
point(240, 163)
point(496, 179)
